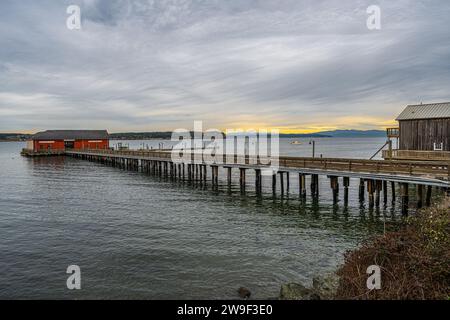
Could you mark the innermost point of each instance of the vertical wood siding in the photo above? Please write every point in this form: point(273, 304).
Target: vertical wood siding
point(422, 134)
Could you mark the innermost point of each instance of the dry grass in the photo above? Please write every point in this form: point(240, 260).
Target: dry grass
point(414, 262)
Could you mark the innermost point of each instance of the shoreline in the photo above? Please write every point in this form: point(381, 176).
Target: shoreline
point(422, 244)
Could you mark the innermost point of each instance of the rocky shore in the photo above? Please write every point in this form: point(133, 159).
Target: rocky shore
point(323, 288)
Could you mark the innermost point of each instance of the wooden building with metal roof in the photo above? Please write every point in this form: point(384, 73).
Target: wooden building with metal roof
point(423, 132)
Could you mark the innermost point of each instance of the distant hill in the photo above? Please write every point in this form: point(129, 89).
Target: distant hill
point(322, 134)
point(355, 133)
point(305, 135)
point(14, 136)
point(168, 135)
point(140, 135)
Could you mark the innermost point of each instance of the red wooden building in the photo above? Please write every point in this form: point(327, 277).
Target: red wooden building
point(60, 140)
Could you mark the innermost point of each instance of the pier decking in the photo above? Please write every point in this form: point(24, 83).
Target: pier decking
point(373, 175)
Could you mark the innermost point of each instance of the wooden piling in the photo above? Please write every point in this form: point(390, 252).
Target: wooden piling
point(361, 190)
point(258, 182)
point(315, 185)
point(302, 185)
point(428, 196)
point(346, 182)
point(370, 191)
point(287, 182)
point(334, 182)
point(229, 177)
point(378, 188)
point(404, 194)
point(274, 183)
point(393, 191)
point(242, 178)
point(419, 196)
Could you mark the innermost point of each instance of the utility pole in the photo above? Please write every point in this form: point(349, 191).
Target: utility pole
point(313, 148)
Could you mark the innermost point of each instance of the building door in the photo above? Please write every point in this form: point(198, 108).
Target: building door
point(69, 144)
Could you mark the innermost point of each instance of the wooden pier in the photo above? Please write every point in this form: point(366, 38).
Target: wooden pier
point(374, 175)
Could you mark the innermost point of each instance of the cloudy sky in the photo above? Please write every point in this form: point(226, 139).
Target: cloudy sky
point(296, 65)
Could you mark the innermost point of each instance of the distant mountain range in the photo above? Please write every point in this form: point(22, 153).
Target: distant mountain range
point(354, 133)
point(167, 135)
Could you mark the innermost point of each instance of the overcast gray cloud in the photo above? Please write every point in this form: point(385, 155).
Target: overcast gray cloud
point(159, 65)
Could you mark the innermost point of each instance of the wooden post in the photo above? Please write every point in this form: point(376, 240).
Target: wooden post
point(378, 187)
point(287, 181)
point(213, 175)
point(315, 185)
point(346, 185)
point(229, 176)
point(333, 184)
point(274, 183)
point(316, 178)
point(404, 194)
point(361, 190)
point(217, 175)
point(242, 178)
point(428, 196)
point(258, 180)
point(282, 182)
point(385, 193)
point(183, 169)
point(419, 196)
point(302, 185)
point(370, 191)
point(393, 191)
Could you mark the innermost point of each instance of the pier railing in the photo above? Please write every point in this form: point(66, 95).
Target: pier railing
point(430, 169)
point(417, 155)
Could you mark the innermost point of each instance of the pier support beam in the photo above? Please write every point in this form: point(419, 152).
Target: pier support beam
point(315, 185)
point(287, 182)
point(346, 181)
point(428, 196)
point(370, 192)
point(334, 183)
point(404, 194)
point(361, 190)
point(378, 188)
point(215, 175)
point(282, 182)
point(242, 178)
point(393, 191)
point(274, 183)
point(385, 192)
point(228, 176)
point(258, 181)
point(419, 196)
point(302, 185)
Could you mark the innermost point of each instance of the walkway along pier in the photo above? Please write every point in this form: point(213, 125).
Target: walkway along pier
point(374, 175)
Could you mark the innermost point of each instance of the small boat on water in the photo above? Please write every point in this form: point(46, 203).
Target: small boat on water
point(296, 142)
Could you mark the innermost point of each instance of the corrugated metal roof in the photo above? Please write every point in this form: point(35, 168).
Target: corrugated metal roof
point(426, 111)
point(71, 134)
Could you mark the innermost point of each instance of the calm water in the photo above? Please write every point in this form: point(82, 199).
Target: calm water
point(138, 236)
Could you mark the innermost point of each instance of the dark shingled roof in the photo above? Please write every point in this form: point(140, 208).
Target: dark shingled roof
point(72, 135)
